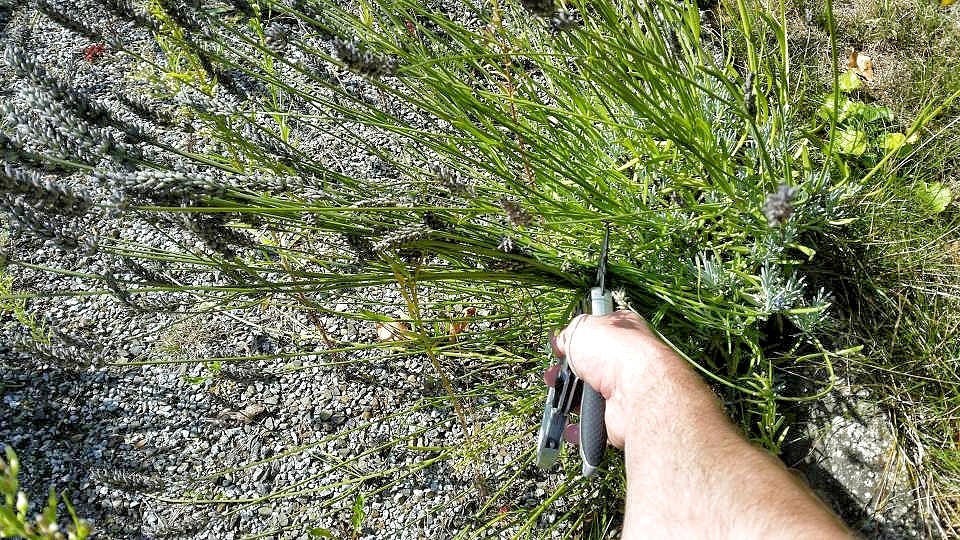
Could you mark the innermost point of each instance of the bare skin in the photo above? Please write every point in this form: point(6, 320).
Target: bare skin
point(690, 472)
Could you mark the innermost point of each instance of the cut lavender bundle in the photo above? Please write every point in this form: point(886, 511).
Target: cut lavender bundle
point(51, 125)
point(24, 220)
point(162, 186)
point(44, 194)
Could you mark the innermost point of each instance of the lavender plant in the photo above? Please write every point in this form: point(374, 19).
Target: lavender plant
point(469, 161)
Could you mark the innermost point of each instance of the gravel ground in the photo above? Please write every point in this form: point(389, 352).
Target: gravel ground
point(266, 447)
point(279, 445)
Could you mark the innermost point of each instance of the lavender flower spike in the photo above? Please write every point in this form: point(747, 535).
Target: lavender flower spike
point(778, 207)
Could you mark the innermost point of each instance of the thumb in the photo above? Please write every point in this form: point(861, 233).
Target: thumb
point(578, 344)
point(598, 348)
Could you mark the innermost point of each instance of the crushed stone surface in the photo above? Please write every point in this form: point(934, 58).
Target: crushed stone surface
point(277, 448)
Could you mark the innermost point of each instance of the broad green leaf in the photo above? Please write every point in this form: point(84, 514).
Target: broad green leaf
point(892, 141)
point(872, 113)
point(320, 532)
point(936, 195)
point(827, 111)
point(852, 142)
point(849, 81)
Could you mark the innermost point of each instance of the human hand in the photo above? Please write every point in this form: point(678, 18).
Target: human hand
point(677, 440)
point(620, 357)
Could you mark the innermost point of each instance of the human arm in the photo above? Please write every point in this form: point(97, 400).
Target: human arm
point(690, 473)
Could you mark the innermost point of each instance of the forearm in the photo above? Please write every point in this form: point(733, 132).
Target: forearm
point(712, 483)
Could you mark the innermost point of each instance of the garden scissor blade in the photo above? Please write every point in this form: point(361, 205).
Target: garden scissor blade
point(568, 390)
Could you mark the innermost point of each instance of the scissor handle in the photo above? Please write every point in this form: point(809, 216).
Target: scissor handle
point(593, 408)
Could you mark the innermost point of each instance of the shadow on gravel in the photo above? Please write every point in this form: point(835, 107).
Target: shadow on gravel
point(841, 447)
point(82, 432)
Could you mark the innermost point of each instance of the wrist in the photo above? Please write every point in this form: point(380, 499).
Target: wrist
point(719, 484)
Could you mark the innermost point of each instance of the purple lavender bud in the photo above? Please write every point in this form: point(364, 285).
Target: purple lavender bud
point(778, 208)
point(515, 213)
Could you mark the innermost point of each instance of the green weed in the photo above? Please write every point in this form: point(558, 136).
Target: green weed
point(760, 220)
point(14, 519)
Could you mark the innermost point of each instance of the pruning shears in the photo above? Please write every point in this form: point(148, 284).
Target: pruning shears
point(569, 389)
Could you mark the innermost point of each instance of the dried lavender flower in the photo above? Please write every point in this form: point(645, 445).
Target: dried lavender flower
point(778, 208)
point(23, 219)
point(50, 124)
point(149, 112)
point(162, 186)
point(515, 213)
point(509, 246)
point(378, 202)
point(540, 8)
point(69, 18)
point(42, 191)
point(352, 53)
point(119, 292)
point(564, 19)
point(127, 480)
point(277, 36)
point(749, 94)
point(124, 9)
point(361, 245)
point(402, 237)
point(435, 222)
point(452, 180)
point(18, 59)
